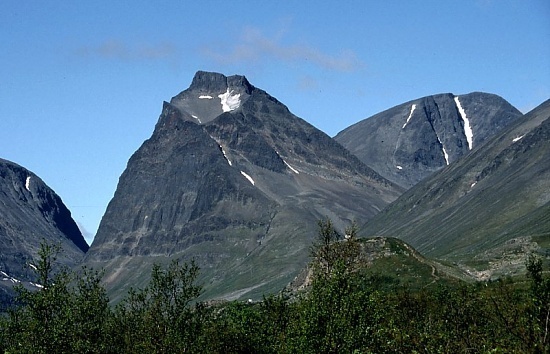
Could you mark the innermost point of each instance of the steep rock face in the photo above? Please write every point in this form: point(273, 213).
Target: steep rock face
point(409, 142)
point(231, 179)
point(490, 208)
point(32, 213)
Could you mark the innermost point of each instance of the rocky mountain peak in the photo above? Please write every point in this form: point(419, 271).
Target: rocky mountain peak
point(231, 178)
point(211, 94)
point(213, 82)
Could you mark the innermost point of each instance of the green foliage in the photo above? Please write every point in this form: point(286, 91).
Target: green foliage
point(540, 305)
point(160, 318)
point(331, 250)
point(346, 309)
point(62, 316)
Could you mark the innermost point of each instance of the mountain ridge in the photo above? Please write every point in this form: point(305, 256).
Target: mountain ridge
point(410, 141)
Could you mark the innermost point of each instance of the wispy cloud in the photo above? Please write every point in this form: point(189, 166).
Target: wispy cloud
point(308, 83)
point(119, 50)
point(254, 45)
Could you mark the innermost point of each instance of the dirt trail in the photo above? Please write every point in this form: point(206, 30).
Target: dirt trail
point(421, 260)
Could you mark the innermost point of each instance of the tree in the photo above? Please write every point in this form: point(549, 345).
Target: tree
point(540, 305)
point(64, 315)
point(331, 248)
point(160, 318)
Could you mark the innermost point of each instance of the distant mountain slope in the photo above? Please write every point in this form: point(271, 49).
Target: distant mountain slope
point(231, 178)
point(31, 213)
point(488, 209)
point(409, 142)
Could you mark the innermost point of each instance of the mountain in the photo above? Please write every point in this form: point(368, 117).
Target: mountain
point(487, 210)
point(232, 179)
point(31, 214)
point(409, 142)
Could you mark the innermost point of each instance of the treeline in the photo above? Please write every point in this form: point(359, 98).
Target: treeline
point(345, 309)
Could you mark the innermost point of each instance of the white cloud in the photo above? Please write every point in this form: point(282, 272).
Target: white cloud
point(308, 83)
point(254, 45)
point(119, 50)
point(88, 236)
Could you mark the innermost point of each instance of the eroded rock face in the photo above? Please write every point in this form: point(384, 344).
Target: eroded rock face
point(32, 213)
point(409, 142)
point(231, 178)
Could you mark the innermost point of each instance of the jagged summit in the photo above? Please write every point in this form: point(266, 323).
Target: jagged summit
point(210, 94)
point(205, 81)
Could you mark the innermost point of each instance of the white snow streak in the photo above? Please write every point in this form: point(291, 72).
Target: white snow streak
point(28, 183)
point(32, 266)
point(292, 168)
point(7, 277)
point(197, 118)
point(446, 156)
point(444, 152)
point(473, 184)
point(517, 138)
point(37, 285)
point(225, 155)
point(399, 167)
point(413, 107)
point(202, 97)
point(248, 177)
point(230, 101)
point(467, 128)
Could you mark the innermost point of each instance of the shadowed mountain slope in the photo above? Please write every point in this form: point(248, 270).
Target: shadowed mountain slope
point(32, 213)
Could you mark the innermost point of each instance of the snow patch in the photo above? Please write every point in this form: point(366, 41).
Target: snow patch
point(399, 167)
point(446, 156)
point(517, 138)
point(467, 128)
point(6, 277)
point(28, 183)
point(32, 266)
point(225, 155)
point(444, 152)
point(248, 177)
point(197, 118)
point(230, 101)
point(413, 107)
point(473, 184)
point(292, 168)
point(208, 97)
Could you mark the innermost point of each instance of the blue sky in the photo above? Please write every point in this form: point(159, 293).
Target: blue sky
point(82, 83)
